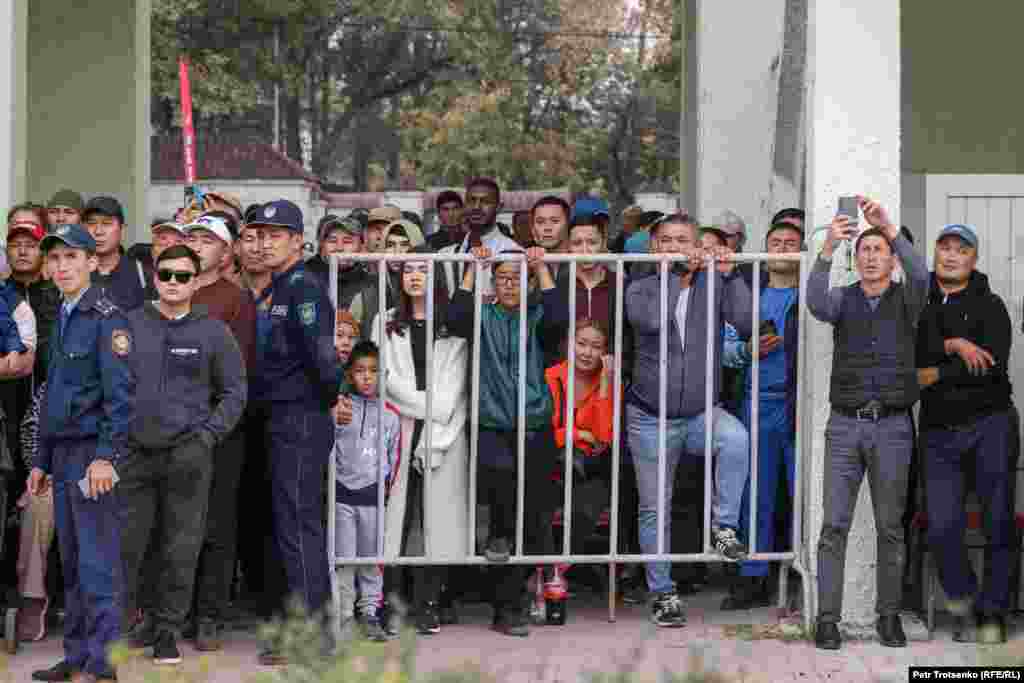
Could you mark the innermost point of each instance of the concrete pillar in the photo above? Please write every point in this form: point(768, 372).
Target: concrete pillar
point(750, 104)
point(12, 107)
point(87, 99)
point(853, 148)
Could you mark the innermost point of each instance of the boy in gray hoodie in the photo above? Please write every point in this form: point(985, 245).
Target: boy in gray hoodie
point(359, 467)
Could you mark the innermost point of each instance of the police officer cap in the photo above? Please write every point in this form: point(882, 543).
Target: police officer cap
point(71, 234)
point(280, 214)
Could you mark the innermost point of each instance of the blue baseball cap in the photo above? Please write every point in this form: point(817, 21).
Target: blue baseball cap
point(280, 213)
point(590, 206)
point(73, 235)
point(964, 232)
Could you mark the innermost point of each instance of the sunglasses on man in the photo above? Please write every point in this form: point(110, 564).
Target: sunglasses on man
point(182, 277)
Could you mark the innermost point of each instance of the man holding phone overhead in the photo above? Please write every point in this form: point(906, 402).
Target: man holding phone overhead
point(874, 385)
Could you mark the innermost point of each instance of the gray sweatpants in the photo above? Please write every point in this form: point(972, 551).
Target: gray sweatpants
point(883, 450)
point(356, 536)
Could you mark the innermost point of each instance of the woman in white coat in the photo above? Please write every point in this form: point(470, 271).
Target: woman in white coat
point(404, 364)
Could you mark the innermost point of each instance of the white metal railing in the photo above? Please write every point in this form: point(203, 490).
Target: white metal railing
point(792, 557)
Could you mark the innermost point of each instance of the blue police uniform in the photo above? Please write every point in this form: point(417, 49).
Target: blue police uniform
point(85, 416)
point(291, 391)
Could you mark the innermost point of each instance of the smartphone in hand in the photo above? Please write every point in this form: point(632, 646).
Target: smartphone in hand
point(849, 207)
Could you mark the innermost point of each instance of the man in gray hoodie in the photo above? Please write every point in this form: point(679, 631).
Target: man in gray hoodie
point(190, 394)
point(685, 368)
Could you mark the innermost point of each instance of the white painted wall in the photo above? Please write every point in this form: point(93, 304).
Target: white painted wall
point(853, 147)
point(164, 198)
point(738, 89)
point(8, 76)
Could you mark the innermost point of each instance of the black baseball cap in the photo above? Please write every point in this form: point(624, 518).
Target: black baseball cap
point(281, 214)
point(106, 206)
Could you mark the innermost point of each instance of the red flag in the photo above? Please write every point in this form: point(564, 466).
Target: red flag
point(188, 137)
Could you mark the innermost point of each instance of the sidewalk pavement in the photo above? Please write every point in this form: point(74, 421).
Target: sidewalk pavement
point(728, 642)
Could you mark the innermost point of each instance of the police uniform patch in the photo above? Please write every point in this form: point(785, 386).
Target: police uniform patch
point(307, 313)
point(121, 342)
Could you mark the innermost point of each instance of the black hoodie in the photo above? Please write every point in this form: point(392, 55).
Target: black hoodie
point(190, 378)
point(978, 315)
point(351, 281)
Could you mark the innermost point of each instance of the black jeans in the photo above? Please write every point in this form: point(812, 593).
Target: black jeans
point(984, 448)
point(258, 556)
point(496, 488)
point(164, 496)
point(427, 579)
point(217, 559)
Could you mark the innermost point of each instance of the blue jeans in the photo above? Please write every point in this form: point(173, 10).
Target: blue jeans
point(731, 446)
point(774, 447)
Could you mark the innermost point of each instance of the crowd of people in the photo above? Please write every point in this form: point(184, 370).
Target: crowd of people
point(160, 388)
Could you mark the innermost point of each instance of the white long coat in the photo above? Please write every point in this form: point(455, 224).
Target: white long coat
point(446, 511)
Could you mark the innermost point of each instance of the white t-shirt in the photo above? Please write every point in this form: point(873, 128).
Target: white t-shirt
point(25, 319)
point(684, 303)
point(496, 241)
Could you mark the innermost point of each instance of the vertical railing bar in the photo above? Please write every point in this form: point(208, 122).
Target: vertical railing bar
point(755, 403)
point(474, 427)
point(798, 445)
point(709, 398)
point(662, 404)
point(616, 436)
point(428, 422)
point(383, 455)
point(332, 473)
point(524, 295)
point(570, 416)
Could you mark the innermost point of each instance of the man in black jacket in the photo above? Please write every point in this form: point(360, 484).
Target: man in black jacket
point(963, 349)
point(341, 236)
point(191, 391)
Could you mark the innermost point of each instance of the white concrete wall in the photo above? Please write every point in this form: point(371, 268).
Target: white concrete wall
point(853, 147)
point(87, 101)
point(738, 72)
point(164, 198)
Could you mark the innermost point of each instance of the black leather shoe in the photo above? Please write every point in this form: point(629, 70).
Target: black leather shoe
point(991, 629)
point(890, 631)
point(61, 671)
point(826, 636)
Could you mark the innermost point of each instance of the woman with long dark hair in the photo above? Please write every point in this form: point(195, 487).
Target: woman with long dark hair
point(404, 357)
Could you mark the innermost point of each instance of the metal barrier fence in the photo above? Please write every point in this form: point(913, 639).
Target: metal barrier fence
point(792, 557)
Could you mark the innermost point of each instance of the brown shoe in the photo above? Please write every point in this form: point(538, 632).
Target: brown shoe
point(32, 619)
point(272, 657)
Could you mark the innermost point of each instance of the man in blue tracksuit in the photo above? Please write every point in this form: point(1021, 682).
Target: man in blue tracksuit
point(84, 423)
point(292, 392)
point(776, 430)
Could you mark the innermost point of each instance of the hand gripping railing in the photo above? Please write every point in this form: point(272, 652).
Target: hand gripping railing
point(792, 558)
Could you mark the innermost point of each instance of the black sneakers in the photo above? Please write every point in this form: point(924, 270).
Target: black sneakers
point(826, 636)
point(165, 650)
point(667, 611)
point(428, 621)
point(498, 550)
point(727, 544)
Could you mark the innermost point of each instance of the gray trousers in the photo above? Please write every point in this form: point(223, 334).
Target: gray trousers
point(355, 535)
point(883, 450)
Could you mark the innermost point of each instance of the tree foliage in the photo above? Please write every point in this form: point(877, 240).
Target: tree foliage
point(581, 93)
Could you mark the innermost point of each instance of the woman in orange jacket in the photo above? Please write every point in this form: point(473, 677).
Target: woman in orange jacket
point(592, 437)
